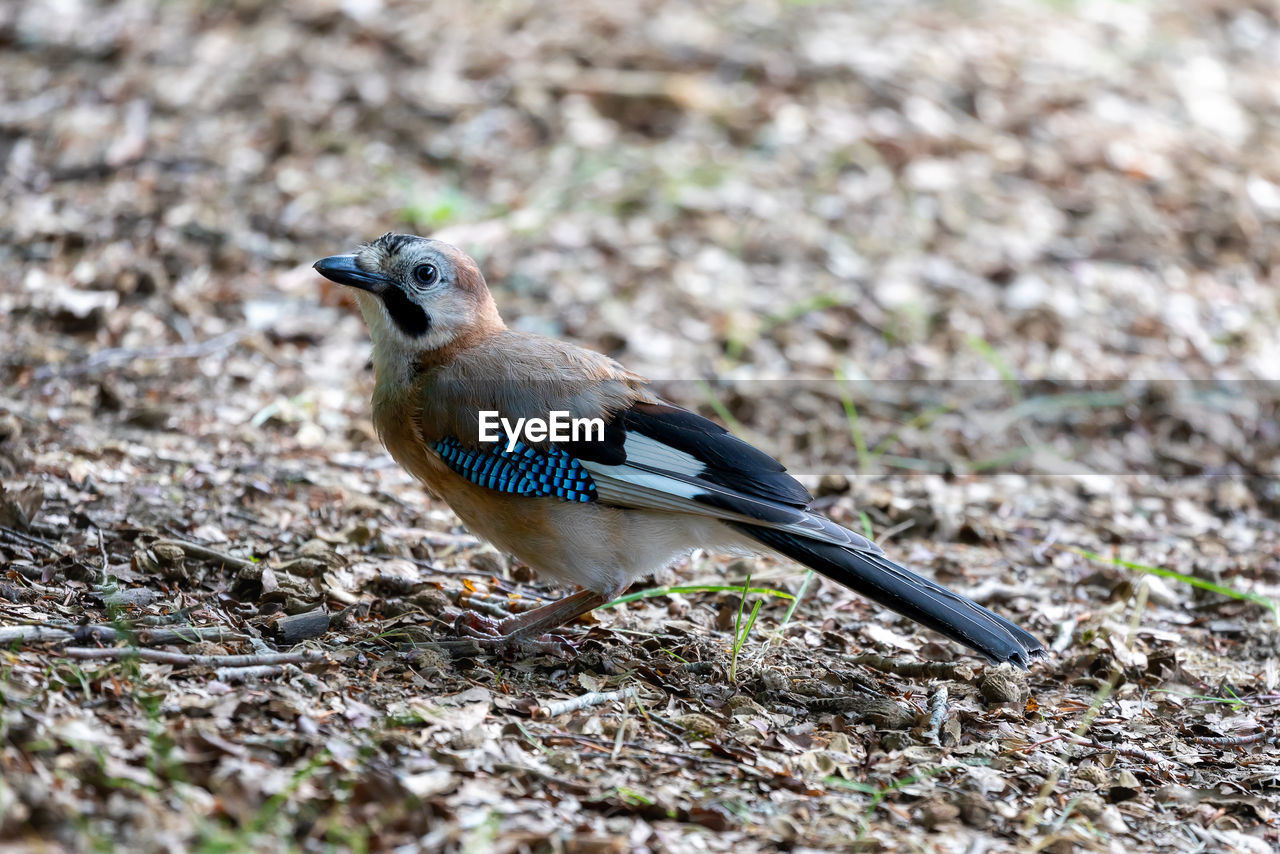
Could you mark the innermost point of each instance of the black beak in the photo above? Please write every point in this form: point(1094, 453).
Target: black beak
point(343, 270)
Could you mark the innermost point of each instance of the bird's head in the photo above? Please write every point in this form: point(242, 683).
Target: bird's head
point(418, 295)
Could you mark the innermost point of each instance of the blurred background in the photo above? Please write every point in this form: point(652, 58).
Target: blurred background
point(924, 252)
point(892, 194)
point(888, 191)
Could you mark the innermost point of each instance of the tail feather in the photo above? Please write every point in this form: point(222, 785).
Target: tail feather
point(915, 597)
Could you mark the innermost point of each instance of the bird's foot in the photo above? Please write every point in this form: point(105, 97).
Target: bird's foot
point(488, 633)
point(472, 625)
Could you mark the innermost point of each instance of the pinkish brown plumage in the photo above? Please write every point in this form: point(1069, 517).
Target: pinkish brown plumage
point(660, 482)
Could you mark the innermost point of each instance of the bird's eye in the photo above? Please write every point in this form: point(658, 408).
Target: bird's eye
point(426, 274)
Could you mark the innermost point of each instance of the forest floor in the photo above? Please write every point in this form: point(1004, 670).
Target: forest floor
point(1000, 282)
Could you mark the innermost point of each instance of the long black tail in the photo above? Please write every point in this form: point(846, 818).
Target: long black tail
point(928, 603)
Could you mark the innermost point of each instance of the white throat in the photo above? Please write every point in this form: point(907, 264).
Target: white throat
point(396, 355)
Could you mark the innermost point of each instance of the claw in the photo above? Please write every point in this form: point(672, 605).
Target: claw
point(557, 645)
point(469, 624)
point(486, 633)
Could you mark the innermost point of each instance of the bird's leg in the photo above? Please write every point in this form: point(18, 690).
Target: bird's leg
point(530, 625)
point(534, 622)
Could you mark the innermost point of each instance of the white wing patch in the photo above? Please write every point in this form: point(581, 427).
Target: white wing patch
point(644, 481)
point(642, 450)
point(631, 487)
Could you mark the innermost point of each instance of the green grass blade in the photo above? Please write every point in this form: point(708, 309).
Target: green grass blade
point(1050, 405)
point(1257, 598)
point(795, 602)
point(740, 632)
point(721, 411)
point(993, 358)
point(855, 424)
point(924, 419)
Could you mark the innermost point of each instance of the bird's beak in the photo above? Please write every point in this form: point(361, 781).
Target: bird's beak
point(344, 270)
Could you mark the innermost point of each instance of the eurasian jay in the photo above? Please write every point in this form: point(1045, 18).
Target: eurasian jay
point(597, 514)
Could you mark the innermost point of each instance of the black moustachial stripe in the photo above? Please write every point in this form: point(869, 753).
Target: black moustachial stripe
point(406, 313)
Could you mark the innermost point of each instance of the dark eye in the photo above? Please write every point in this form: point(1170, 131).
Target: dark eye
point(426, 274)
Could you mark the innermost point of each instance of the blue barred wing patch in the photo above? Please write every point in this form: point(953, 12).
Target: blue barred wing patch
point(522, 470)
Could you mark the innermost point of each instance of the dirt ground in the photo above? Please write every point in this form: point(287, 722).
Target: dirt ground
point(999, 281)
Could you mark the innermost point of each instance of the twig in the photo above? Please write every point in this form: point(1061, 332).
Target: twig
point(241, 674)
point(515, 602)
point(1237, 740)
point(61, 633)
point(452, 647)
point(1047, 543)
point(188, 634)
point(466, 647)
point(480, 606)
point(29, 540)
point(889, 533)
point(183, 659)
point(182, 615)
point(121, 355)
point(937, 714)
point(111, 634)
point(520, 592)
point(592, 698)
point(102, 550)
point(1123, 750)
point(994, 591)
point(32, 634)
point(606, 746)
point(1033, 745)
point(299, 627)
point(913, 669)
point(208, 553)
point(1065, 632)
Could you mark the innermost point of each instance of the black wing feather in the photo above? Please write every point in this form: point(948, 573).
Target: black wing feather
point(730, 462)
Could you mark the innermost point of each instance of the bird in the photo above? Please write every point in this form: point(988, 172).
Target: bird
point(595, 511)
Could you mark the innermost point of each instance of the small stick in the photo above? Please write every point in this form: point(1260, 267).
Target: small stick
point(1236, 740)
point(241, 674)
point(606, 746)
point(914, 669)
point(937, 714)
point(19, 538)
point(1065, 632)
point(182, 615)
point(190, 634)
point(109, 634)
point(102, 550)
point(592, 698)
point(32, 634)
point(994, 590)
point(298, 627)
point(117, 355)
point(513, 602)
point(208, 553)
point(1132, 752)
point(480, 606)
point(180, 658)
point(890, 533)
point(1033, 745)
